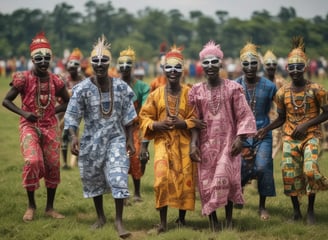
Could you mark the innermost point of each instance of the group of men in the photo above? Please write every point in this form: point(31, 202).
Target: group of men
point(215, 134)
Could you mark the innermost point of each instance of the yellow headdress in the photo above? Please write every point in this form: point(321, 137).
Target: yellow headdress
point(297, 55)
point(101, 48)
point(248, 52)
point(269, 57)
point(174, 56)
point(126, 55)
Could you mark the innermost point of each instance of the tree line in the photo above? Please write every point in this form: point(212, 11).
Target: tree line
point(147, 29)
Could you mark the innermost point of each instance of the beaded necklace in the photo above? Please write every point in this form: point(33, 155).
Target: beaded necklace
point(40, 107)
point(299, 109)
point(106, 113)
point(251, 97)
point(215, 98)
point(176, 99)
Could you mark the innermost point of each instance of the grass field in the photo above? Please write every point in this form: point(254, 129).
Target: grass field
point(140, 217)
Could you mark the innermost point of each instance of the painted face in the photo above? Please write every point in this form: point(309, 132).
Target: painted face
point(173, 73)
point(39, 58)
point(296, 67)
point(125, 64)
point(73, 64)
point(100, 60)
point(170, 68)
point(211, 62)
point(100, 65)
point(41, 62)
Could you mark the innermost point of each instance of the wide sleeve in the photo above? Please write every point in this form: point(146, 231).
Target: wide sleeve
point(244, 117)
point(279, 99)
point(129, 112)
point(75, 109)
point(321, 96)
point(148, 114)
point(190, 110)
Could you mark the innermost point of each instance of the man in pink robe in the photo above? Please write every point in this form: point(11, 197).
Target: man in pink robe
point(227, 119)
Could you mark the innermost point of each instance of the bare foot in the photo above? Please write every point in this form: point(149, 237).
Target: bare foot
point(121, 231)
point(99, 224)
point(310, 218)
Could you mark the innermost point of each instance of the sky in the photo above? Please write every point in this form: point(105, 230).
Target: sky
point(242, 9)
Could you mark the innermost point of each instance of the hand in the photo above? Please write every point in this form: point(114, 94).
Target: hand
point(200, 124)
point(194, 154)
point(261, 133)
point(130, 148)
point(299, 132)
point(236, 147)
point(163, 125)
point(75, 145)
point(30, 116)
point(144, 157)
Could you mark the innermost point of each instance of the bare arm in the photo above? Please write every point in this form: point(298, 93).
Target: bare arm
point(8, 102)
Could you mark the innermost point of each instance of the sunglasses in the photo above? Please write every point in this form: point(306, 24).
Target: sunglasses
point(246, 64)
point(296, 67)
point(100, 60)
point(39, 59)
point(271, 64)
point(215, 62)
point(176, 68)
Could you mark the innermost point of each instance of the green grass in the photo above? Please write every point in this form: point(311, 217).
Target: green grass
point(139, 218)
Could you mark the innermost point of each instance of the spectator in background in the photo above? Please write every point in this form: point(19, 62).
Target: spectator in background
point(139, 159)
point(270, 66)
point(72, 76)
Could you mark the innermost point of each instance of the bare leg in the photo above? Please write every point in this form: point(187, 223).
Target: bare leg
point(119, 205)
point(98, 202)
point(264, 215)
point(214, 222)
point(228, 212)
point(137, 196)
point(50, 211)
point(29, 213)
point(163, 217)
point(181, 221)
point(310, 210)
point(296, 206)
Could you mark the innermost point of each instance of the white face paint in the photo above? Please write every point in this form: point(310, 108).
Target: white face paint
point(211, 62)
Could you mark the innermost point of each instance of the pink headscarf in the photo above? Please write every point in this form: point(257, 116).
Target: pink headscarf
point(211, 49)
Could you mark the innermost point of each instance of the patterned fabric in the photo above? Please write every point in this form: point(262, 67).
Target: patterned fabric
point(141, 91)
point(40, 140)
point(263, 165)
point(174, 172)
point(316, 97)
point(40, 150)
point(219, 173)
point(27, 84)
point(103, 161)
point(300, 169)
point(300, 158)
